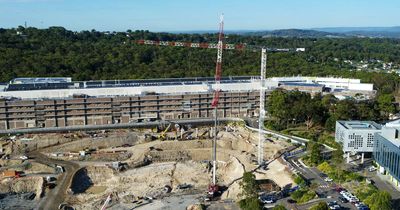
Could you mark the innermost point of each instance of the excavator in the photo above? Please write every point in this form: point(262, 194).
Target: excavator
point(162, 135)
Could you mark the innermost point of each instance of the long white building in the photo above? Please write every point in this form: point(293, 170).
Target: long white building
point(333, 83)
point(40, 88)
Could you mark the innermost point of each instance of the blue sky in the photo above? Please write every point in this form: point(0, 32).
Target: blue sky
point(181, 15)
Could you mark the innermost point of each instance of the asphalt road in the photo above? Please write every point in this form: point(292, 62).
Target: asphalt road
point(57, 195)
point(326, 190)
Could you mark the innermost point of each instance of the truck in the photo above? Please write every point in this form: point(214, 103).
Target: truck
point(11, 174)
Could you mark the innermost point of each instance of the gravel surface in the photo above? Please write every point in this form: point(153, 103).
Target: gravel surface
point(16, 201)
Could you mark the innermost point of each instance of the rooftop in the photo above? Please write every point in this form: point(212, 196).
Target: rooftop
point(23, 84)
point(361, 125)
point(302, 84)
point(40, 80)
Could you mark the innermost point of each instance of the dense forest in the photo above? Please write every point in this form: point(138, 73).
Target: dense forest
point(91, 55)
point(295, 108)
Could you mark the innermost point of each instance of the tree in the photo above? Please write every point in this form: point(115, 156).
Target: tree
point(314, 111)
point(380, 200)
point(345, 110)
point(325, 167)
point(320, 206)
point(385, 103)
point(315, 155)
point(278, 107)
point(337, 155)
point(330, 123)
point(250, 204)
point(249, 192)
point(300, 181)
point(249, 185)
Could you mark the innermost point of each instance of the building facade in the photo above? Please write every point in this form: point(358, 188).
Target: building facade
point(17, 114)
point(387, 153)
point(60, 102)
point(356, 136)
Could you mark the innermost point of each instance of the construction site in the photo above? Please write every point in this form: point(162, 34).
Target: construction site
point(126, 144)
point(138, 168)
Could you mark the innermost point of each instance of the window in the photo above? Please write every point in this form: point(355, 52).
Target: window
point(370, 140)
point(356, 141)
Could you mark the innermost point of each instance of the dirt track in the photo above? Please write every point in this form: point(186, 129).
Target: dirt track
point(56, 196)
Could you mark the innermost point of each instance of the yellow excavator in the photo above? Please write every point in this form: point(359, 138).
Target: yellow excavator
point(162, 135)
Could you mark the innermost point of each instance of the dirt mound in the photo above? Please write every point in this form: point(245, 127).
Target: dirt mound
point(196, 207)
point(277, 172)
point(230, 171)
point(39, 168)
point(111, 141)
point(185, 145)
point(23, 185)
point(233, 192)
point(144, 181)
point(169, 156)
point(192, 173)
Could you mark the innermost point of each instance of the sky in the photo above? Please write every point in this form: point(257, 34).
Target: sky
point(189, 15)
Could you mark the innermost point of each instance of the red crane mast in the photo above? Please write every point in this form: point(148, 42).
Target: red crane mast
point(218, 67)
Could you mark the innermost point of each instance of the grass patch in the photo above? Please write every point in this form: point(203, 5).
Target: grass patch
point(339, 175)
point(361, 189)
point(303, 195)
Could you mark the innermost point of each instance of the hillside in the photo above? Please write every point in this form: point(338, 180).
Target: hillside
point(299, 33)
point(380, 32)
point(93, 55)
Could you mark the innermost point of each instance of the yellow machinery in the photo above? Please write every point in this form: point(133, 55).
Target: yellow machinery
point(162, 135)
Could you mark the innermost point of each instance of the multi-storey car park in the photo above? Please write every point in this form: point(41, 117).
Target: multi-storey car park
point(61, 102)
point(35, 104)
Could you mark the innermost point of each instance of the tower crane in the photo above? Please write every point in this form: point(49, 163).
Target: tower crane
point(220, 46)
point(213, 188)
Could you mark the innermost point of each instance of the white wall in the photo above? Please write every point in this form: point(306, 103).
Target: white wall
point(129, 91)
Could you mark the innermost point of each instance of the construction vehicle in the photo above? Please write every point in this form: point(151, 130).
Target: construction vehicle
point(162, 135)
point(11, 174)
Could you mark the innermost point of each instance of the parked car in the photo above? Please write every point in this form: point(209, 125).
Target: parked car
point(343, 199)
point(339, 189)
point(267, 199)
point(23, 157)
point(183, 186)
point(323, 175)
point(363, 207)
point(371, 169)
point(327, 179)
point(333, 205)
point(353, 200)
point(294, 188)
point(6, 157)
